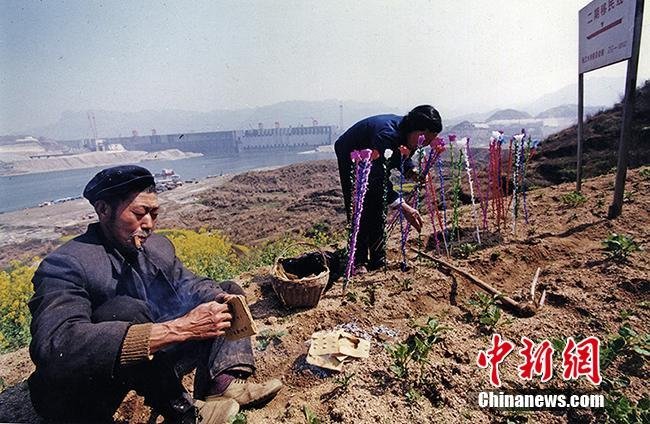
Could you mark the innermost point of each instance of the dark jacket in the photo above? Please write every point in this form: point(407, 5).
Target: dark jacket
point(378, 132)
point(71, 282)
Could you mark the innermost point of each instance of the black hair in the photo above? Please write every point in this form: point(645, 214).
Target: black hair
point(421, 118)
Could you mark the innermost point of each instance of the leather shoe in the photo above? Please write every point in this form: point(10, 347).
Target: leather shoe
point(216, 412)
point(360, 270)
point(249, 394)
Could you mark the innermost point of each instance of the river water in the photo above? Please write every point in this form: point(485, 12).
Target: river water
point(24, 191)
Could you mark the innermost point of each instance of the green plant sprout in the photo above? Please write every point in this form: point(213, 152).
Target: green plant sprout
point(351, 296)
point(626, 342)
point(618, 246)
point(416, 348)
point(407, 284)
point(412, 396)
point(488, 311)
point(628, 196)
point(371, 295)
point(240, 418)
point(344, 380)
point(620, 409)
point(465, 250)
point(266, 337)
point(573, 199)
point(645, 173)
point(310, 416)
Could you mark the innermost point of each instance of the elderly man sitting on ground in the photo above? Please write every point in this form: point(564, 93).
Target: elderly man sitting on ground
point(115, 310)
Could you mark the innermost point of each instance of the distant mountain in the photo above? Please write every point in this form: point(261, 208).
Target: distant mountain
point(508, 114)
point(568, 111)
point(471, 117)
point(599, 91)
point(75, 124)
point(463, 128)
point(555, 161)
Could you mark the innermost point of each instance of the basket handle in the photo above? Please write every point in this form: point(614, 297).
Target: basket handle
point(304, 243)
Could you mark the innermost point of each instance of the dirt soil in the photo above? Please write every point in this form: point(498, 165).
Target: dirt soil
point(586, 295)
point(258, 206)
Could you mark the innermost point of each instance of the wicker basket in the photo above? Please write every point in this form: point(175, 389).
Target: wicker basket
point(295, 291)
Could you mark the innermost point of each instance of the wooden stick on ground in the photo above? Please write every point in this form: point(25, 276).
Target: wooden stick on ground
point(524, 309)
point(534, 285)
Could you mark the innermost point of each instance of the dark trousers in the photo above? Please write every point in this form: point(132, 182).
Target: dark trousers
point(370, 240)
point(158, 380)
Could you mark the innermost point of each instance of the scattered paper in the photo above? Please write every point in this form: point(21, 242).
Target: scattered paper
point(330, 349)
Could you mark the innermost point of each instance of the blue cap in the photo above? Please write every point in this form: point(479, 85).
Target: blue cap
point(117, 180)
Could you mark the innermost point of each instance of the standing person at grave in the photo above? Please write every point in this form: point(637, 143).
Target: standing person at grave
point(382, 133)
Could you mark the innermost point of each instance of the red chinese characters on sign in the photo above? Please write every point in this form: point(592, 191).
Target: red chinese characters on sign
point(582, 359)
point(494, 356)
point(578, 359)
point(536, 361)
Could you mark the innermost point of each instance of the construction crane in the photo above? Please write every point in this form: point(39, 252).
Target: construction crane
point(93, 124)
point(93, 129)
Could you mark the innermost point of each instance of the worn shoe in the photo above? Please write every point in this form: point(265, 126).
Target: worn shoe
point(360, 270)
point(249, 394)
point(216, 412)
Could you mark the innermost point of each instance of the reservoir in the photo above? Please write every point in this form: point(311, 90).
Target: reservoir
point(24, 191)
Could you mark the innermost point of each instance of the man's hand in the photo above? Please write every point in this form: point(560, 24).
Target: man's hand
point(224, 297)
point(206, 321)
point(412, 216)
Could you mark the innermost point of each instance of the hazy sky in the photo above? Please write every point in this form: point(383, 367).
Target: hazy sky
point(204, 55)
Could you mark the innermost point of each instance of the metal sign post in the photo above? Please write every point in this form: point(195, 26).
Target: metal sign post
point(610, 32)
point(581, 96)
point(628, 111)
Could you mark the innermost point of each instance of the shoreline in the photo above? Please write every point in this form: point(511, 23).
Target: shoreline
point(51, 222)
point(31, 190)
point(88, 160)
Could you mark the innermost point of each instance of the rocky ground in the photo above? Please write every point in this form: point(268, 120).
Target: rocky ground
point(587, 294)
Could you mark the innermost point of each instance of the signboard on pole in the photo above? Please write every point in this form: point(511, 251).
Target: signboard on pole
point(606, 30)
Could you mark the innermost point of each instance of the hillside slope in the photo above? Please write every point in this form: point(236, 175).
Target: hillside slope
point(556, 160)
point(587, 295)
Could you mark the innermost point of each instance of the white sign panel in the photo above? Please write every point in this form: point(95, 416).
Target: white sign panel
point(606, 29)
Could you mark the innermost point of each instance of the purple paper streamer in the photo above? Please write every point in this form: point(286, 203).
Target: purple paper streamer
point(515, 182)
point(427, 192)
point(523, 179)
point(363, 164)
point(442, 195)
point(403, 231)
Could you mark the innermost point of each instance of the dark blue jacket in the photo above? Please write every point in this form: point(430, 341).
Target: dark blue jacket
point(378, 132)
point(67, 347)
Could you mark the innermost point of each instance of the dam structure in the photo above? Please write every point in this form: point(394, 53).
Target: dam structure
point(218, 143)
